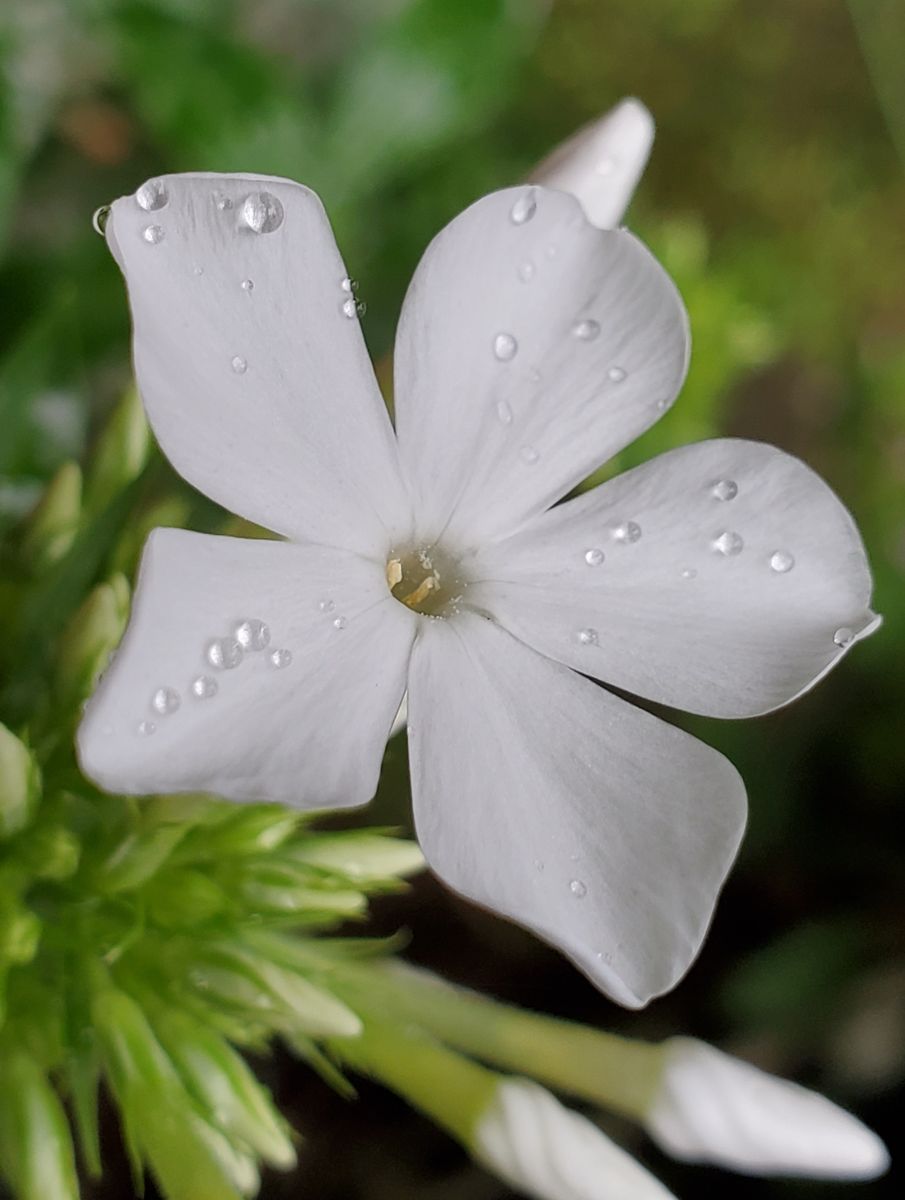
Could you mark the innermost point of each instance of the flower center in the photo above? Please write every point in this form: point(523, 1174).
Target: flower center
point(426, 580)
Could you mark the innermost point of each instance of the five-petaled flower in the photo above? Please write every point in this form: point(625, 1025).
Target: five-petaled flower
point(441, 560)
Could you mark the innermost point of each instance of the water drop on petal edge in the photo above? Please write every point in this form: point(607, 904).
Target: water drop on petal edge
point(843, 637)
point(152, 195)
point(524, 208)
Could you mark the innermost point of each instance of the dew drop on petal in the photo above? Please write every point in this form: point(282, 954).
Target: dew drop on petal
point(526, 272)
point(165, 700)
point(280, 659)
point(222, 201)
point(152, 234)
point(262, 212)
point(628, 532)
point(594, 557)
point(197, 270)
point(504, 412)
point(587, 637)
point(152, 195)
point(689, 573)
point(203, 687)
point(339, 623)
point(325, 606)
point(586, 331)
point(524, 208)
point(529, 455)
point(724, 489)
point(248, 285)
point(538, 864)
point(578, 889)
point(782, 562)
point(505, 347)
point(353, 309)
point(349, 285)
point(252, 634)
point(99, 219)
point(239, 365)
point(616, 374)
point(729, 544)
point(224, 653)
point(146, 728)
point(843, 637)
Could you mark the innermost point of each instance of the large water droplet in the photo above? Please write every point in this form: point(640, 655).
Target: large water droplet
point(353, 309)
point(594, 557)
point(587, 637)
point(729, 544)
point(724, 489)
point(529, 455)
point(504, 412)
point(224, 653)
point(99, 219)
point(505, 347)
point(262, 212)
point(781, 562)
point(146, 728)
point(616, 374)
point(165, 700)
point(524, 208)
point(843, 637)
point(280, 658)
point(526, 272)
point(248, 285)
point(239, 365)
point(152, 195)
point(252, 634)
point(349, 285)
point(152, 234)
point(586, 331)
point(578, 888)
point(203, 687)
point(628, 532)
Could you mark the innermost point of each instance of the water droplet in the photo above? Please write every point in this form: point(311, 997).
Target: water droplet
point(99, 219)
point(280, 658)
point(262, 212)
point(152, 234)
point(326, 606)
point(587, 637)
point(223, 202)
point(165, 701)
point(349, 285)
point(689, 573)
point(781, 562)
point(339, 623)
point(662, 405)
point(239, 365)
point(505, 347)
point(729, 543)
point(586, 331)
point(843, 637)
point(528, 455)
point(578, 889)
point(146, 728)
point(353, 309)
point(224, 653)
point(203, 687)
point(616, 374)
point(524, 208)
point(504, 412)
point(152, 195)
point(594, 557)
point(628, 532)
point(252, 634)
point(724, 489)
point(197, 270)
point(526, 272)
point(248, 285)
point(538, 864)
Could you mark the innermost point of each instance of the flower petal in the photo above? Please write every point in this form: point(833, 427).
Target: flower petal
point(715, 1108)
point(724, 578)
point(256, 382)
point(545, 798)
point(531, 348)
point(547, 1151)
point(602, 163)
point(300, 717)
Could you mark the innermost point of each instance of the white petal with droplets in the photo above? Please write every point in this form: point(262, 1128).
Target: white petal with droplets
point(543, 797)
point(475, 340)
point(694, 611)
point(259, 389)
point(714, 1108)
point(546, 1151)
point(309, 731)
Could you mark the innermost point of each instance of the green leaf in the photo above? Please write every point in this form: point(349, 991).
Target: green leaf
point(36, 1152)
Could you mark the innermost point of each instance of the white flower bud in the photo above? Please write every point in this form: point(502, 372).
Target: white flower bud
point(715, 1108)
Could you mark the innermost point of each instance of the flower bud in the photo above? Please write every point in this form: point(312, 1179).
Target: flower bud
point(20, 934)
point(20, 784)
point(364, 857)
point(713, 1108)
point(35, 1145)
point(120, 454)
point(184, 899)
point(54, 523)
point(90, 638)
point(601, 164)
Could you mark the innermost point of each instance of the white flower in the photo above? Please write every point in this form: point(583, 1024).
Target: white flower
point(549, 1152)
point(714, 1108)
point(722, 578)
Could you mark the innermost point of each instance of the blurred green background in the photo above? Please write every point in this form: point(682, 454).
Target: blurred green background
point(775, 196)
